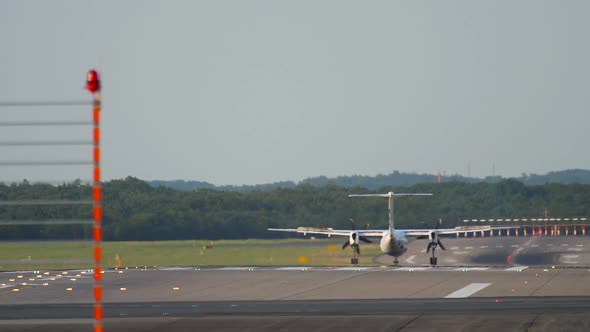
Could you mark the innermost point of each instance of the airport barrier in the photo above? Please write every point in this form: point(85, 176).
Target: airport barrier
point(568, 226)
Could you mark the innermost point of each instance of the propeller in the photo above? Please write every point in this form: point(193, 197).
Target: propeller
point(353, 239)
point(434, 240)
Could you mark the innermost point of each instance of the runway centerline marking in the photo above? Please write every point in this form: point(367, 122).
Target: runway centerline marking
point(468, 248)
point(467, 290)
point(499, 246)
point(483, 247)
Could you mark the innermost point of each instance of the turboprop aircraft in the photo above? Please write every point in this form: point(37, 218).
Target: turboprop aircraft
point(394, 242)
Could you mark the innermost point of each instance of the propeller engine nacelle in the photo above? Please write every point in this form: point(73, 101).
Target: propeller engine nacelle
point(433, 242)
point(354, 241)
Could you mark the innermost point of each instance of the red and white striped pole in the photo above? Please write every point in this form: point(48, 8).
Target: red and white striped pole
point(93, 85)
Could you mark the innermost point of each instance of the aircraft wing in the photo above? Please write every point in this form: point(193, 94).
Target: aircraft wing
point(448, 231)
point(330, 231)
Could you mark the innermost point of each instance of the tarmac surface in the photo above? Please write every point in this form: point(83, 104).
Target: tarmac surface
point(483, 284)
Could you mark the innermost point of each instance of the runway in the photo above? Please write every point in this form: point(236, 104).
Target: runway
point(463, 294)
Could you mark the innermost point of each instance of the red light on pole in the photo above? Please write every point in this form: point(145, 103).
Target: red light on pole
point(93, 86)
point(92, 81)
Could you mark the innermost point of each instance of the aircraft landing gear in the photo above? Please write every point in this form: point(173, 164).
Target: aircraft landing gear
point(354, 260)
point(396, 261)
point(433, 259)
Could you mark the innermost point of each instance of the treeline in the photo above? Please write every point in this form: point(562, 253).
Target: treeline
point(134, 210)
point(572, 176)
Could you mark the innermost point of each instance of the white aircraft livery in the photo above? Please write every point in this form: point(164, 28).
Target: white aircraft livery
point(394, 242)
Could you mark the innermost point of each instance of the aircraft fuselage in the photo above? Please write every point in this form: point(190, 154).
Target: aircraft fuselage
point(394, 245)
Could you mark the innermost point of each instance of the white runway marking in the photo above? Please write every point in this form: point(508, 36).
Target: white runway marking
point(499, 246)
point(534, 245)
point(483, 247)
point(411, 259)
point(514, 246)
point(471, 269)
point(468, 248)
point(468, 290)
point(460, 252)
point(574, 249)
point(579, 245)
point(517, 268)
point(567, 259)
point(175, 268)
point(241, 268)
point(7, 286)
point(454, 248)
point(564, 244)
point(417, 268)
point(293, 268)
point(352, 268)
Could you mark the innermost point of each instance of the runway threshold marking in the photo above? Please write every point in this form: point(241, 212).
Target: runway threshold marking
point(467, 290)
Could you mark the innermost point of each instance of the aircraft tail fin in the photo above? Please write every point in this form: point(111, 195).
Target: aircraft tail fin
point(390, 197)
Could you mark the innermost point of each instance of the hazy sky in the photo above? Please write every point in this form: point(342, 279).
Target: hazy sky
point(245, 92)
